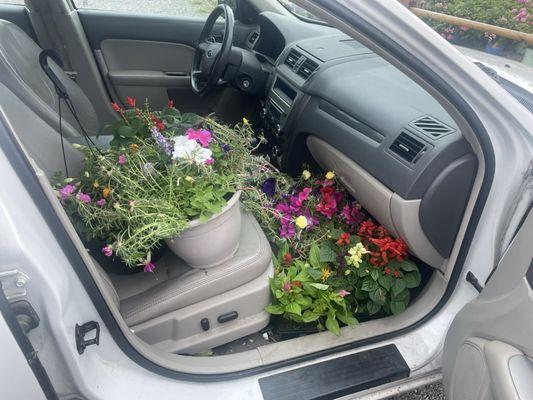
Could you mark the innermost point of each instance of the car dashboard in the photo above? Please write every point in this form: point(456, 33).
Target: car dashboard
point(333, 101)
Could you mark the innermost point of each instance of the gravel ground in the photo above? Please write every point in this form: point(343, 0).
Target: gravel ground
point(202, 8)
point(434, 391)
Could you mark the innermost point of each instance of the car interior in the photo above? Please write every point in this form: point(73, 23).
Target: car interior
point(317, 95)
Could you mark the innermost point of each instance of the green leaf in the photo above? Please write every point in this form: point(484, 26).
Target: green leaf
point(293, 308)
point(397, 307)
point(408, 266)
point(309, 316)
point(332, 324)
point(347, 318)
point(126, 131)
point(304, 301)
point(386, 281)
point(278, 294)
point(412, 279)
point(274, 309)
point(314, 257)
point(319, 286)
point(398, 286)
point(327, 254)
point(369, 285)
point(378, 296)
point(372, 307)
point(313, 273)
point(283, 249)
point(374, 274)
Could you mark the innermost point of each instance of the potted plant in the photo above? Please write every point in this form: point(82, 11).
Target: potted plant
point(167, 177)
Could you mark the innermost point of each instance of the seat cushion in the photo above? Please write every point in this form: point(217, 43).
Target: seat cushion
point(21, 72)
point(175, 285)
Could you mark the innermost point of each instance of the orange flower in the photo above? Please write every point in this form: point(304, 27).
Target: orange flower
point(106, 192)
point(134, 147)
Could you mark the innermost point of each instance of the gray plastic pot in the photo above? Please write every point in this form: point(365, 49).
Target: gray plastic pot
point(208, 244)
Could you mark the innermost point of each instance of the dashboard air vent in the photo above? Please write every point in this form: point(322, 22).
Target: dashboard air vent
point(293, 58)
point(432, 127)
point(407, 147)
point(307, 68)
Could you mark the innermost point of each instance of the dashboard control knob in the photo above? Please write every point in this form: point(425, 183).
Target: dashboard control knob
point(246, 83)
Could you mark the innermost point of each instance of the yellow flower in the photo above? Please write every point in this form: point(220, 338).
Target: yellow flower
point(106, 192)
point(356, 254)
point(306, 174)
point(301, 222)
point(134, 147)
point(326, 272)
point(245, 121)
point(189, 179)
point(330, 175)
point(96, 185)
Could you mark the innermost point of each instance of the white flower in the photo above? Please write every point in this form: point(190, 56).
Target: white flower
point(190, 149)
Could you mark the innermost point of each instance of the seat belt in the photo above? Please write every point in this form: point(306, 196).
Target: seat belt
point(62, 95)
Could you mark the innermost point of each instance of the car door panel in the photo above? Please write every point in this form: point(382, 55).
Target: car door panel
point(150, 56)
point(488, 349)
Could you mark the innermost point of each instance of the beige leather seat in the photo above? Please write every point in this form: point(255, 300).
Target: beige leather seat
point(21, 73)
point(179, 309)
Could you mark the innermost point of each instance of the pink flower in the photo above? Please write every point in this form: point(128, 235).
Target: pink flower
point(66, 191)
point(149, 267)
point(209, 162)
point(287, 287)
point(101, 202)
point(107, 251)
point(84, 198)
point(122, 159)
point(343, 293)
point(202, 136)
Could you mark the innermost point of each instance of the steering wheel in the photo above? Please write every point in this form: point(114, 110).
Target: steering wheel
point(211, 58)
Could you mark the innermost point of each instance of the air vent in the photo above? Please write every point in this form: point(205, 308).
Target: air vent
point(432, 127)
point(307, 68)
point(293, 58)
point(407, 147)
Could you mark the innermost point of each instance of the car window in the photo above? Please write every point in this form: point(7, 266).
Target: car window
point(298, 11)
point(184, 8)
point(15, 2)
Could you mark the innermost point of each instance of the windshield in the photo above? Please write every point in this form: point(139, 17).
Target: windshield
point(299, 11)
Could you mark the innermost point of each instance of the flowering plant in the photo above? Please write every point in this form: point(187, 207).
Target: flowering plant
point(155, 179)
point(331, 250)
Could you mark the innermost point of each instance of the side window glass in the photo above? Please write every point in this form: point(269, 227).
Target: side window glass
point(179, 8)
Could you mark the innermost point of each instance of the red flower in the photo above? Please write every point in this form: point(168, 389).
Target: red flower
point(396, 274)
point(161, 126)
point(131, 101)
point(297, 284)
point(115, 107)
point(287, 259)
point(387, 271)
point(344, 238)
point(170, 104)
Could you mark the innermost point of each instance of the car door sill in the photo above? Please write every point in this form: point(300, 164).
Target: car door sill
point(338, 377)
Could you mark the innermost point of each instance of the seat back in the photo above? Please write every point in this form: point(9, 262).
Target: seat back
point(21, 72)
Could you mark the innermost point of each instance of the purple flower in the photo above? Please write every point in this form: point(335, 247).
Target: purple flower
point(209, 161)
point(107, 251)
point(122, 159)
point(269, 187)
point(101, 202)
point(149, 267)
point(66, 191)
point(352, 215)
point(225, 147)
point(84, 198)
point(162, 141)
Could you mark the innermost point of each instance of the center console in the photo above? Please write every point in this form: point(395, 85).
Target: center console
point(278, 106)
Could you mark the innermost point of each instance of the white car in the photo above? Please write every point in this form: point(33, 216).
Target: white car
point(435, 149)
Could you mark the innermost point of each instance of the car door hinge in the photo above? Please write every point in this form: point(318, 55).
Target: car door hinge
point(471, 278)
point(82, 330)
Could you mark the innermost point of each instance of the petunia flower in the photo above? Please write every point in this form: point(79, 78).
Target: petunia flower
point(209, 162)
point(269, 187)
point(122, 159)
point(84, 198)
point(66, 191)
point(149, 267)
point(107, 251)
point(202, 136)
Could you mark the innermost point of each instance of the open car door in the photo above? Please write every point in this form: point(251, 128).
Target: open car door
point(488, 352)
